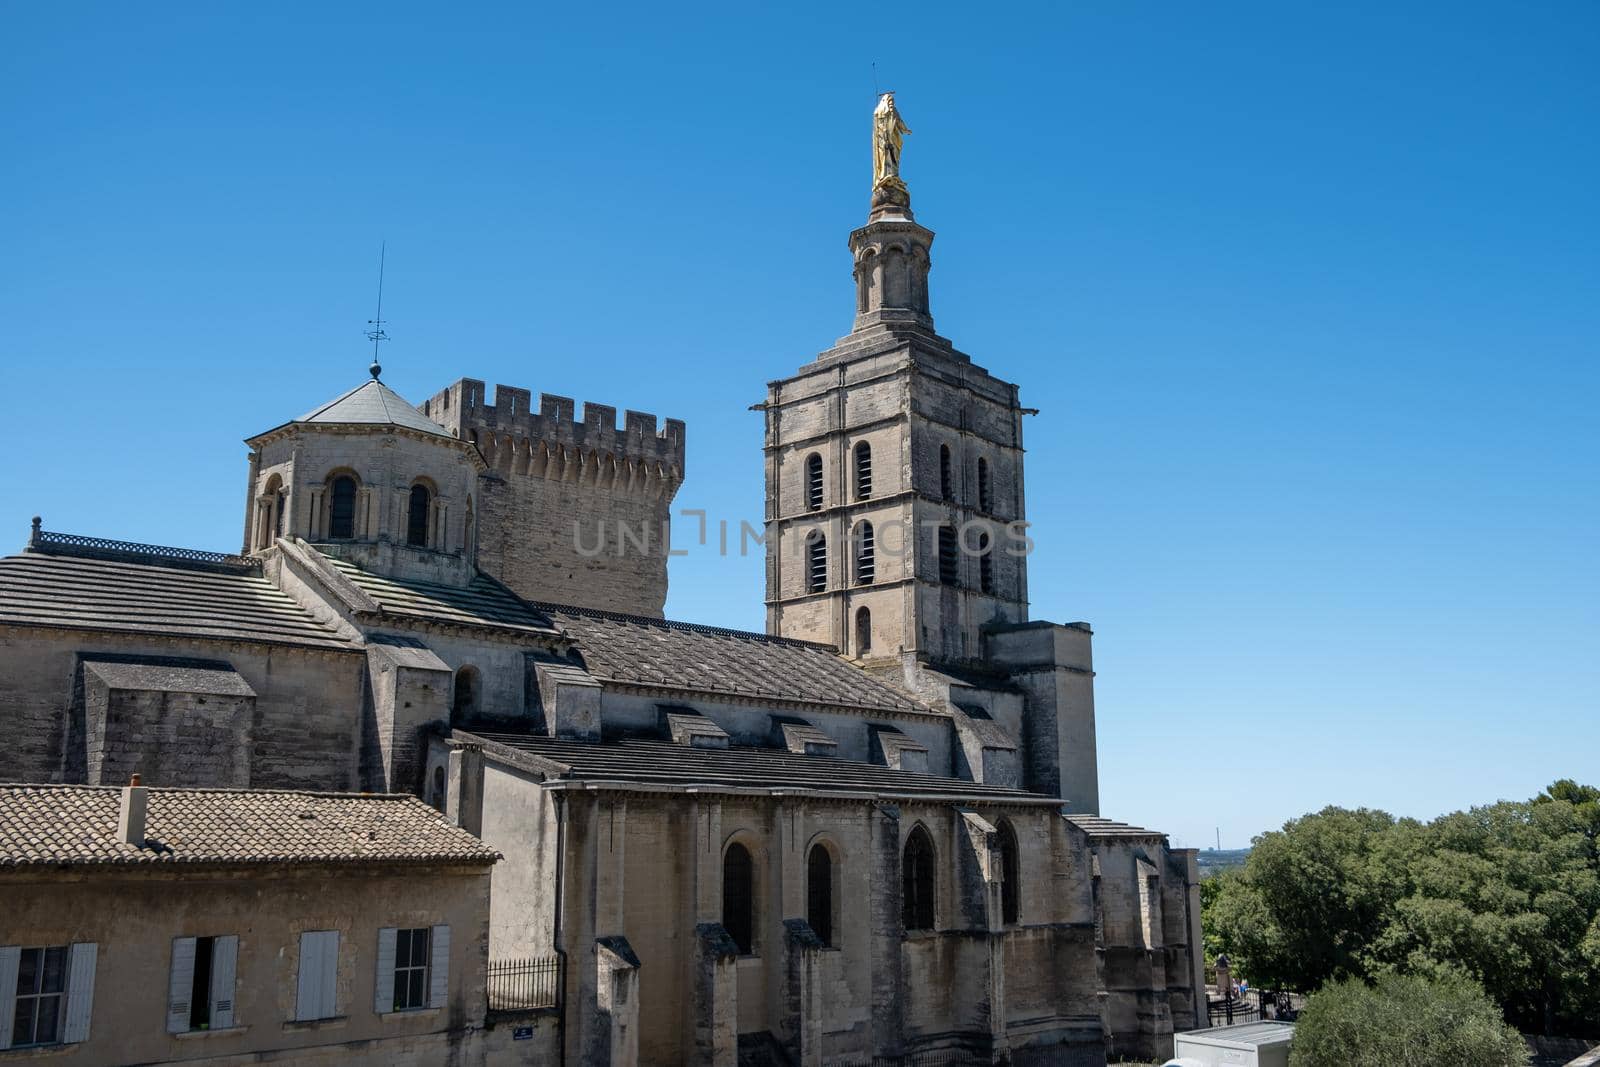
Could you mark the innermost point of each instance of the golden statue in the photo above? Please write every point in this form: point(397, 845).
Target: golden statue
point(888, 130)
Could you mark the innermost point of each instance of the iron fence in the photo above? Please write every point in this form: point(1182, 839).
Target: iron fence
point(944, 1057)
point(521, 985)
point(50, 539)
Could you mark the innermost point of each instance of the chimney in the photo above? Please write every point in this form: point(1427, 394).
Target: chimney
point(130, 821)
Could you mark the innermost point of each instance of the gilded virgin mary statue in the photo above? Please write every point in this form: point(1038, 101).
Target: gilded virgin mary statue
point(888, 131)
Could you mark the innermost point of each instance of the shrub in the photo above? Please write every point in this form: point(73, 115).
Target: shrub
point(1404, 1021)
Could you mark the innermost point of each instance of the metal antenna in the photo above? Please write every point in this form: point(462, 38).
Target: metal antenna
point(376, 334)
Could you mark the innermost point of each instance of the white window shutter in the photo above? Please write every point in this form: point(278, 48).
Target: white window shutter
point(439, 968)
point(10, 957)
point(330, 974)
point(383, 983)
point(180, 987)
point(80, 991)
point(224, 963)
point(319, 967)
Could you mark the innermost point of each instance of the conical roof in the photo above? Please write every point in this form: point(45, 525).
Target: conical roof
point(372, 404)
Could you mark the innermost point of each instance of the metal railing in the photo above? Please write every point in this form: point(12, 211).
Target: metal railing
point(525, 984)
point(47, 539)
point(944, 1057)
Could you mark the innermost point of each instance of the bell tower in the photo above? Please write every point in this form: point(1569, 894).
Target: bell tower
point(894, 517)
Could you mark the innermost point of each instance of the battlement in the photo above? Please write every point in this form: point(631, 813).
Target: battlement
point(461, 408)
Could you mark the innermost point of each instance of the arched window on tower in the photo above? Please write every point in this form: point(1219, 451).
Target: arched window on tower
point(417, 515)
point(866, 559)
point(863, 632)
point(819, 892)
point(916, 881)
point(464, 704)
point(342, 508)
point(985, 497)
point(863, 471)
point(947, 485)
point(816, 562)
point(738, 903)
point(949, 556)
point(985, 563)
point(814, 482)
point(1010, 873)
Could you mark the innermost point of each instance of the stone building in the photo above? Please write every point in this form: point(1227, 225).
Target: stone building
point(229, 926)
point(872, 831)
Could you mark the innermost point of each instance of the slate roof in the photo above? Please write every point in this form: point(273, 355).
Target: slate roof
point(737, 766)
point(680, 656)
point(484, 602)
point(209, 679)
point(372, 404)
point(1095, 826)
point(118, 594)
point(72, 825)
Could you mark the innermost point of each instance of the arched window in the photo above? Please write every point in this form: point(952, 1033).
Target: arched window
point(947, 488)
point(814, 482)
point(738, 897)
point(816, 562)
point(985, 563)
point(819, 893)
point(280, 503)
point(863, 471)
point(949, 556)
point(1010, 873)
point(866, 562)
point(916, 881)
point(438, 788)
point(417, 516)
point(342, 508)
point(863, 632)
point(985, 500)
point(465, 703)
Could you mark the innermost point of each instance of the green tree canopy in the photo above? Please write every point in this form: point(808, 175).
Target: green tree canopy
point(1404, 1021)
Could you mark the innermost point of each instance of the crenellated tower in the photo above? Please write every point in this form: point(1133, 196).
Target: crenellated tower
point(571, 511)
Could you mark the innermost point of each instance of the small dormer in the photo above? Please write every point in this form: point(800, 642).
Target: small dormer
point(368, 478)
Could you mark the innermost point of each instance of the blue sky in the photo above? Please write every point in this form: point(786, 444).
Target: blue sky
point(1306, 295)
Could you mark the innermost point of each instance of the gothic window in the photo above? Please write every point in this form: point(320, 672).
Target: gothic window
point(816, 562)
point(819, 893)
point(1010, 873)
point(863, 631)
point(814, 482)
point(985, 563)
point(342, 508)
point(949, 556)
point(947, 490)
point(985, 498)
point(464, 705)
point(916, 881)
point(738, 903)
point(866, 561)
point(863, 471)
point(417, 516)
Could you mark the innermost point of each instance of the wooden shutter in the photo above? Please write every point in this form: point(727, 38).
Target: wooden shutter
point(180, 987)
point(10, 957)
point(80, 991)
point(439, 968)
point(383, 983)
point(315, 998)
point(224, 963)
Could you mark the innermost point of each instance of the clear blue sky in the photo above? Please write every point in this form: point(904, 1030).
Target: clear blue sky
point(1306, 294)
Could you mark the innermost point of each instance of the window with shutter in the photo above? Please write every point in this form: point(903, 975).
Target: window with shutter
point(409, 978)
point(439, 976)
point(316, 991)
point(80, 991)
point(224, 967)
point(38, 1004)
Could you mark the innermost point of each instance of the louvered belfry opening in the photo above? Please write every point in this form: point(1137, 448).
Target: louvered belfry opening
point(816, 562)
point(814, 482)
point(863, 471)
point(738, 905)
point(866, 559)
point(985, 497)
point(947, 489)
point(985, 563)
point(949, 556)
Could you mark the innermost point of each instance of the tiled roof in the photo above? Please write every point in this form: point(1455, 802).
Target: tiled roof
point(706, 659)
point(372, 404)
point(1095, 826)
point(484, 602)
point(116, 593)
point(50, 825)
point(738, 766)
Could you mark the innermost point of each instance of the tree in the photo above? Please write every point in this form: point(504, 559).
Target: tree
point(1404, 1021)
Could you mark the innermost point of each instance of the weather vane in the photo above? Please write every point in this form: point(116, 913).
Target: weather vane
point(376, 334)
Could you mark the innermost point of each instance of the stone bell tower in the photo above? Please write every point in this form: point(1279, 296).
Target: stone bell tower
point(894, 464)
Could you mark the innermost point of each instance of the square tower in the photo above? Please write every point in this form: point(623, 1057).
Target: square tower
point(895, 514)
